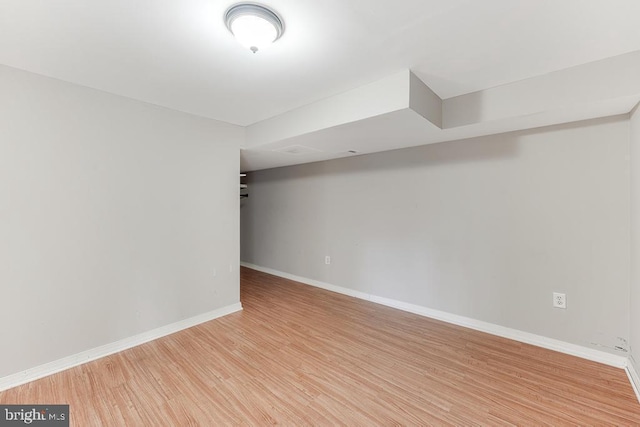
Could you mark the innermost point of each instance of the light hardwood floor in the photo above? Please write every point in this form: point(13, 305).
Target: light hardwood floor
point(298, 355)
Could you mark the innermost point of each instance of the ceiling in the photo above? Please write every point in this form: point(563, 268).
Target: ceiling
point(179, 54)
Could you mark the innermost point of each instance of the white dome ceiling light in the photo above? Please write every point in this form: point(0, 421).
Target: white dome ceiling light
point(253, 25)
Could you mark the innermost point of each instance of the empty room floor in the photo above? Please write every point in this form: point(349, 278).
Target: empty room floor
point(298, 355)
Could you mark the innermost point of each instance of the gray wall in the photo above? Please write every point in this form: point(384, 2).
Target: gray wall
point(485, 228)
point(113, 216)
point(635, 239)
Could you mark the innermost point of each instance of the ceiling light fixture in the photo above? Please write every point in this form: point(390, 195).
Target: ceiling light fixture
point(253, 25)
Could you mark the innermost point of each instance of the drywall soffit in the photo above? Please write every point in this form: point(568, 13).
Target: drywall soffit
point(402, 111)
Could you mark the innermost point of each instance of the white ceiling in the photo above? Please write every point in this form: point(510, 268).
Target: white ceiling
point(179, 54)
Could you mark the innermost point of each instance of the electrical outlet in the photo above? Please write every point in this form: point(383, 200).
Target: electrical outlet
point(559, 300)
point(327, 260)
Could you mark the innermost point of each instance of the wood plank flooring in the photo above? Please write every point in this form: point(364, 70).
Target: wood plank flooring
point(299, 356)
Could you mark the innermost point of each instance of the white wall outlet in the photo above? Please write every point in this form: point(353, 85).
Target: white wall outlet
point(559, 300)
point(327, 260)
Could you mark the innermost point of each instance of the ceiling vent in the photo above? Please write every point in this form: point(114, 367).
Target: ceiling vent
point(297, 150)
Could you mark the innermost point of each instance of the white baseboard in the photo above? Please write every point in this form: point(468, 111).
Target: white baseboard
point(50, 368)
point(491, 328)
point(634, 378)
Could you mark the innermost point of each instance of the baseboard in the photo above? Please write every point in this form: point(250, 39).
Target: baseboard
point(51, 368)
point(634, 378)
point(491, 328)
